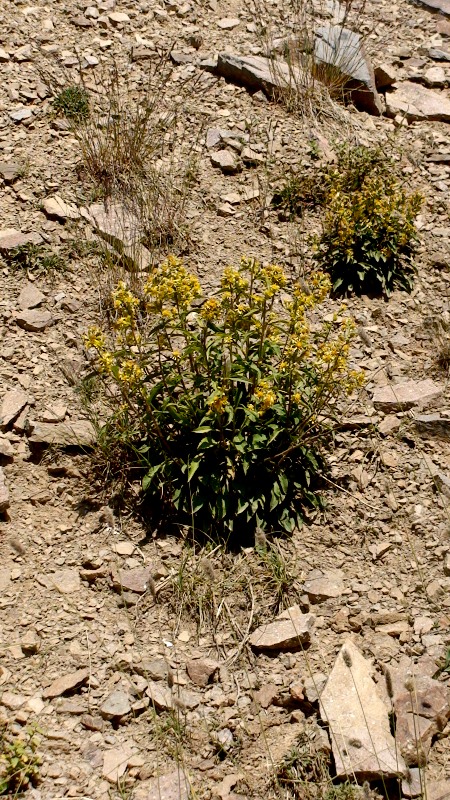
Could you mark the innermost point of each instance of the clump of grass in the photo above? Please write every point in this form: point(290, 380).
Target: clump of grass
point(34, 258)
point(19, 761)
point(73, 103)
point(277, 574)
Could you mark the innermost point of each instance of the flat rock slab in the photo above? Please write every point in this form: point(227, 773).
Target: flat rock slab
point(132, 580)
point(10, 239)
point(115, 762)
point(10, 170)
point(56, 208)
point(289, 631)
point(402, 396)
point(433, 425)
point(117, 704)
point(256, 72)
point(34, 320)
point(164, 699)
point(79, 433)
point(362, 743)
point(417, 102)
point(320, 586)
point(14, 401)
point(437, 5)
point(30, 296)
point(171, 786)
point(65, 581)
point(66, 683)
point(341, 50)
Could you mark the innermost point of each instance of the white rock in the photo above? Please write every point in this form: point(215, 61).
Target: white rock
point(362, 743)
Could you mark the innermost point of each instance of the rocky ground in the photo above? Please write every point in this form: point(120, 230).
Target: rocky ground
point(144, 667)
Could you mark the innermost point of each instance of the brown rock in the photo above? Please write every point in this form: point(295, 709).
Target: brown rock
point(266, 695)
point(115, 762)
point(289, 631)
point(416, 102)
point(9, 170)
point(402, 396)
point(363, 746)
point(132, 580)
point(56, 208)
point(14, 401)
point(4, 494)
point(117, 704)
point(65, 581)
point(172, 786)
point(385, 75)
point(10, 239)
point(437, 5)
point(92, 723)
point(438, 790)
point(79, 433)
point(66, 683)
point(320, 586)
point(226, 161)
point(34, 320)
point(30, 296)
point(422, 709)
point(201, 671)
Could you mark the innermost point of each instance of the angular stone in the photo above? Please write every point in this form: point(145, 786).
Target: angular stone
point(341, 50)
point(121, 229)
point(14, 401)
point(433, 425)
point(34, 320)
point(57, 208)
point(160, 697)
point(79, 433)
point(20, 114)
point(156, 669)
point(5, 579)
point(132, 580)
point(9, 170)
point(115, 762)
point(402, 396)
point(256, 72)
point(416, 102)
point(30, 296)
point(412, 785)
point(226, 161)
point(422, 709)
point(266, 695)
point(6, 449)
point(66, 683)
point(4, 493)
point(12, 700)
point(4, 56)
point(363, 746)
point(201, 671)
point(437, 54)
point(228, 23)
point(117, 704)
point(172, 786)
point(437, 5)
point(289, 631)
point(10, 239)
point(65, 581)
point(118, 17)
point(385, 75)
point(320, 586)
point(30, 643)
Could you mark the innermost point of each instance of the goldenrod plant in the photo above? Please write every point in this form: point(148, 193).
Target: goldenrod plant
point(225, 402)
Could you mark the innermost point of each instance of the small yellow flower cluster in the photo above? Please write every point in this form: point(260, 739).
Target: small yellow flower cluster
point(232, 280)
point(218, 402)
point(211, 310)
point(94, 338)
point(171, 285)
point(130, 373)
point(265, 396)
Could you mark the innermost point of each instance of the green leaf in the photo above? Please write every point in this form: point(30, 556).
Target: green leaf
point(193, 467)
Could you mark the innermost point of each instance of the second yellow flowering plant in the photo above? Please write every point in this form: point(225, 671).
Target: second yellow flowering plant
point(225, 402)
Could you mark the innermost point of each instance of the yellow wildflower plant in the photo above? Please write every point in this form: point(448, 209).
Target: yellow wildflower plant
point(226, 402)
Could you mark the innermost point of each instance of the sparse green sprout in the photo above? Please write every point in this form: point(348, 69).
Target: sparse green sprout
point(19, 762)
point(34, 258)
point(73, 103)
